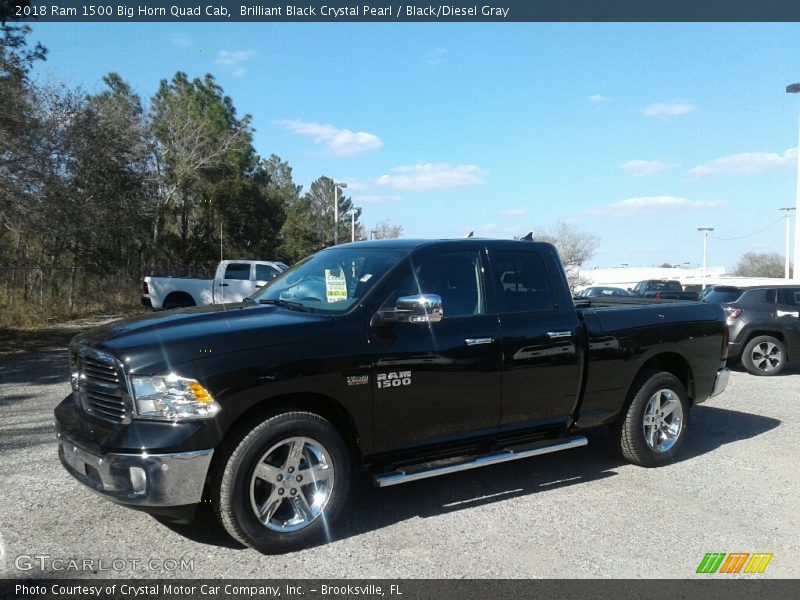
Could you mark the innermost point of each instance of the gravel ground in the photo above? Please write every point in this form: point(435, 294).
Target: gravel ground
point(581, 513)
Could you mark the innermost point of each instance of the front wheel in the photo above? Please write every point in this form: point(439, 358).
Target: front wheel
point(653, 429)
point(283, 483)
point(764, 355)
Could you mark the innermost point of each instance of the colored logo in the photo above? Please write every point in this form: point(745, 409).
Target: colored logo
point(734, 562)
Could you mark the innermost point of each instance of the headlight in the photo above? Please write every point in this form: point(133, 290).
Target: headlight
point(172, 398)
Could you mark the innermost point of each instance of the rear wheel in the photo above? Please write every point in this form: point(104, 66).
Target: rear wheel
point(283, 483)
point(764, 355)
point(653, 429)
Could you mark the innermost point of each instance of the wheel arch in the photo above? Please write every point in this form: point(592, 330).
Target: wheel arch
point(777, 334)
point(319, 404)
point(178, 295)
point(670, 362)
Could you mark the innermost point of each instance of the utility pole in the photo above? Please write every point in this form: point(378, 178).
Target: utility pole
point(794, 88)
point(788, 210)
point(705, 231)
point(336, 187)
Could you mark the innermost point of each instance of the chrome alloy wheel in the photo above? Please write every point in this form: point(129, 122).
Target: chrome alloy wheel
point(663, 420)
point(291, 484)
point(766, 356)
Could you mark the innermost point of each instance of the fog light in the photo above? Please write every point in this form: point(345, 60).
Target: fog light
point(138, 480)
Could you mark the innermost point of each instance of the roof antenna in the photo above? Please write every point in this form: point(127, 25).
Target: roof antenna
point(528, 237)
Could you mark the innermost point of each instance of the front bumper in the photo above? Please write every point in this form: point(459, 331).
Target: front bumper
point(721, 382)
point(145, 480)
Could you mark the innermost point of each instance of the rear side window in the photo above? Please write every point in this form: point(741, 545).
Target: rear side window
point(237, 271)
point(522, 282)
point(265, 272)
point(756, 297)
point(790, 296)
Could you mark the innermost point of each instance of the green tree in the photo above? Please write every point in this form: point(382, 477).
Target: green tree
point(199, 142)
point(309, 220)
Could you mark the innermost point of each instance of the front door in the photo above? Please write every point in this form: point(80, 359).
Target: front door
point(437, 381)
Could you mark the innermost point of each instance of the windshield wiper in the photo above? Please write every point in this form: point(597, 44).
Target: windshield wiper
point(286, 304)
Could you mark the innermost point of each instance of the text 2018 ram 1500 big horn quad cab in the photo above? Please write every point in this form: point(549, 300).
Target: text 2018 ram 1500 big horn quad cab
point(405, 358)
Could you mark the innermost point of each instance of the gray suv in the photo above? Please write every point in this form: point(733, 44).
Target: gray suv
point(764, 324)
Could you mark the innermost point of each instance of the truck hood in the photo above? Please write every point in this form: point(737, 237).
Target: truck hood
point(150, 342)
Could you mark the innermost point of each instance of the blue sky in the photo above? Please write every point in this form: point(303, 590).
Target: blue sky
point(637, 133)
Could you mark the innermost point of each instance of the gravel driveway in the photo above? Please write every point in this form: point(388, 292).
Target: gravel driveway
point(582, 513)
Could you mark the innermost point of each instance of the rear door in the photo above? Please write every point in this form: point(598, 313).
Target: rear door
point(788, 315)
point(540, 330)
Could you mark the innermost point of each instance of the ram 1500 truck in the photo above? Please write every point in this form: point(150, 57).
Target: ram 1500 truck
point(233, 281)
point(404, 358)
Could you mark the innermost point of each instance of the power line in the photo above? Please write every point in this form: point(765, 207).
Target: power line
point(739, 237)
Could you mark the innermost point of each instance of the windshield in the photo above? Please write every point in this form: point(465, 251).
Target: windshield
point(331, 281)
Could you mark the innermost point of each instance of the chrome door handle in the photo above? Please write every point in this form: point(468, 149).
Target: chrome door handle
point(559, 334)
point(478, 341)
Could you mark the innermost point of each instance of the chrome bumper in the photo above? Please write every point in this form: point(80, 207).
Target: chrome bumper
point(139, 479)
point(723, 375)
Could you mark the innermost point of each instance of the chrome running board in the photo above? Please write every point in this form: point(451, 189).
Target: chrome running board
point(453, 465)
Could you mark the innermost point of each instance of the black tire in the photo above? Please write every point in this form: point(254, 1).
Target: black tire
point(236, 491)
point(179, 300)
point(633, 433)
point(764, 355)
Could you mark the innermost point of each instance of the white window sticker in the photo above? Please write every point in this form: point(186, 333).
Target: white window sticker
point(335, 287)
point(366, 278)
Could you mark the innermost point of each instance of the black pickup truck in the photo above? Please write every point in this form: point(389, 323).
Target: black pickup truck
point(406, 359)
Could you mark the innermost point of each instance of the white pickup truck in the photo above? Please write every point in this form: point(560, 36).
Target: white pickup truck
point(233, 282)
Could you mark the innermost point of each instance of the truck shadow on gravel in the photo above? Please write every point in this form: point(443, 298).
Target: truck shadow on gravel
point(370, 509)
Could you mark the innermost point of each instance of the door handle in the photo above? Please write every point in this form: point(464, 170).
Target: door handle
point(558, 334)
point(478, 341)
point(223, 285)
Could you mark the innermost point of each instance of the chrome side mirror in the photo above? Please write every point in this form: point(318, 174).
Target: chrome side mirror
point(422, 308)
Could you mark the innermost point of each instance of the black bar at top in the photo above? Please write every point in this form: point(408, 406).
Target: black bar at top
point(404, 11)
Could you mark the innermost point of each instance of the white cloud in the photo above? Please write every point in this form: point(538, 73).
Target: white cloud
point(598, 98)
point(235, 60)
point(513, 212)
point(489, 227)
point(651, 205)
point(435, 57)
point(339, 142)
point(670, 109)
point(430, 176)
point(230, 59)
point(180, 40)
point(747, 163)
point(643, 168)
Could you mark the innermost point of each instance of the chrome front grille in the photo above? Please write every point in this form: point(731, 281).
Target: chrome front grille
point(101, 386)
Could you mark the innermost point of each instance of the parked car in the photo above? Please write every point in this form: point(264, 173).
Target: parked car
point(409, 359)
point(234, 280)
point(597, 291)
point(662, 289)
point(764, 325)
